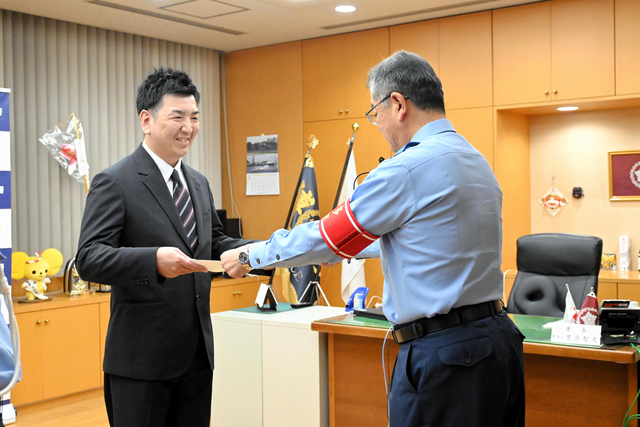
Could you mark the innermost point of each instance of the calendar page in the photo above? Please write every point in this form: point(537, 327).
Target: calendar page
point(260, 184)
point(263, 176)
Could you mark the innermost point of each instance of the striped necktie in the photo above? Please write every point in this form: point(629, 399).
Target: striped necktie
point(182, 201)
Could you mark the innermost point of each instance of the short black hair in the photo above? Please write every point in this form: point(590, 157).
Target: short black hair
point(412, 76)
point(160, 82)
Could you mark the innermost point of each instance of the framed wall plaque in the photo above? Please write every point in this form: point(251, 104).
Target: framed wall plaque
point(624, 175)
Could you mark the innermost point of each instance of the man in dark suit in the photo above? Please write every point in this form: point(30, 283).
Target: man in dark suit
point(147, 218)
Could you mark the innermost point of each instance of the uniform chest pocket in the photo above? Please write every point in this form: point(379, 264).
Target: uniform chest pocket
point(466, 353)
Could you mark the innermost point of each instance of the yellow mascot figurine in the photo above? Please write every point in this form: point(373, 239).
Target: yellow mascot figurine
point(35, 269)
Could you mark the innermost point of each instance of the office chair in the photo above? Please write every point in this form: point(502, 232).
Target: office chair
point(547, 262)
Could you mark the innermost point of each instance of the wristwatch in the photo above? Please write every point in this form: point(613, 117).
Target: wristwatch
point(243, 258)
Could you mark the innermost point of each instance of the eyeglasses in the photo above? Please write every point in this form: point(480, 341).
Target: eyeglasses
point(373, 116)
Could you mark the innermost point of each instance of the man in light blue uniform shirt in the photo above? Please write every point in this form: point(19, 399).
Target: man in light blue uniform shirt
point(432, 213)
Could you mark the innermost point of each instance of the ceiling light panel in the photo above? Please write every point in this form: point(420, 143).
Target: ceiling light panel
point(203, 9)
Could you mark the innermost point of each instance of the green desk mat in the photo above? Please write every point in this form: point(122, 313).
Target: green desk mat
point(350, 320)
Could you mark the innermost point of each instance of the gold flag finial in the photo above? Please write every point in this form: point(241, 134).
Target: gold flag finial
point(312, 142)
point(355, 127)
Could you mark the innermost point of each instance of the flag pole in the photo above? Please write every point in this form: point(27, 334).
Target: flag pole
point(355, 128)
point(312, 142)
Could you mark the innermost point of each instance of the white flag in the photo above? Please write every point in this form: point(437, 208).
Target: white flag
point(352, 270)
point(570, 312)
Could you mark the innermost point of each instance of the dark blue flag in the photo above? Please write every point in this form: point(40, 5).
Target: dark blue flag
point(306, 210)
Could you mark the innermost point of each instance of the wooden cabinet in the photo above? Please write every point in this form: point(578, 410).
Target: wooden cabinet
point(229, 294)
point(105, 314)
point(521, 56)
point(60, 352)
point(553, 51)
point(607, 290)
point(627, 46)
point(465, 60)
point(459, 50)
point(418, 37)
point(334, 73)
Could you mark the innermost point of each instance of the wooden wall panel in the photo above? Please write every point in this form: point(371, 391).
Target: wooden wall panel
point(264, 96)
point(512, 168)
point(465, 60)
point(418, 37)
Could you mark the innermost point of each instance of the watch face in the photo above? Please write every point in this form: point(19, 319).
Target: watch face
point(243, 257)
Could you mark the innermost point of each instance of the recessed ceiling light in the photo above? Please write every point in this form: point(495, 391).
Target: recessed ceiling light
point(345, 8)
point(567, 108)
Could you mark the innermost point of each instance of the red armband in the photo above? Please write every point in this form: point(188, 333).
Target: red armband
point(342, 232)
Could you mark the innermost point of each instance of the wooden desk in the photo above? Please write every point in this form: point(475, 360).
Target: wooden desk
point(565, 386)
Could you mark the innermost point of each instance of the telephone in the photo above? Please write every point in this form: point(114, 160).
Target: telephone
point(357, 299)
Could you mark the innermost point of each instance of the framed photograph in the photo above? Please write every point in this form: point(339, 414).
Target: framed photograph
point(624, 175)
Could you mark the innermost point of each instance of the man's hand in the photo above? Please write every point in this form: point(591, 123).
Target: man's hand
point(231, 264)
point(171, 262)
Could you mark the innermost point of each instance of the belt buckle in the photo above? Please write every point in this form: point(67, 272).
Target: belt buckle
point(416, 328)
point(395, 338)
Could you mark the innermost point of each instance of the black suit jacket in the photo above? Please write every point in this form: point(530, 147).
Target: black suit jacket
point(155, 322)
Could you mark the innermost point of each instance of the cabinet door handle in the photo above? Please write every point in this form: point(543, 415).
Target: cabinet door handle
point(234, 293)
point(546, 92)
point(339, 111)
point(555, 91)
point(239, 292)
point(46, 320)
point(346, 111)
point(38, 321)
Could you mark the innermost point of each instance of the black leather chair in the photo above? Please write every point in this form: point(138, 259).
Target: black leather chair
point(546, 264)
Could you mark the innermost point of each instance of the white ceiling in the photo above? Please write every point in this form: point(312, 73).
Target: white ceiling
point(239, 24)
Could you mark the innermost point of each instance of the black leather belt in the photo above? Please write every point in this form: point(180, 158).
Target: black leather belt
point(457, 316)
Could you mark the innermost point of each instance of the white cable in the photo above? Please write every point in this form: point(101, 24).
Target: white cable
point(371, 300)
point(234, 209)
point(504, 278)
point(5, 290)
point(384, 371)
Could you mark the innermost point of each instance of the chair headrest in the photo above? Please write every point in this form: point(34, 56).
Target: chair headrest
point(559, 254)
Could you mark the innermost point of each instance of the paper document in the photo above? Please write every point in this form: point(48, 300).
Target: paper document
point(212, 266)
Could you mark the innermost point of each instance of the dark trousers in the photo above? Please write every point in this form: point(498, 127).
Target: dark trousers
point(470, 375)
point(184, 401)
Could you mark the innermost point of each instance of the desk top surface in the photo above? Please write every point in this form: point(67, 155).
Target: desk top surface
point(537, 341)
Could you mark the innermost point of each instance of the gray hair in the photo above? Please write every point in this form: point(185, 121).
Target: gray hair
point(412, 76)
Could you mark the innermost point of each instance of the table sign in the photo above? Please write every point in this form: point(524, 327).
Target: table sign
point(569, 333)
